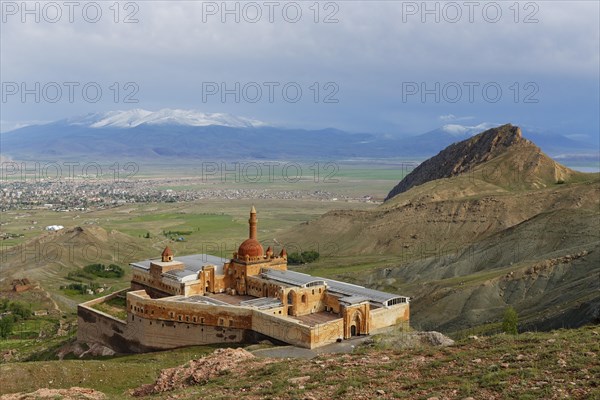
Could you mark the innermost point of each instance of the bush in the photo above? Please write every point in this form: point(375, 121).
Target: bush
point(510, 322)
point(20, 310)
point(80, 288)
point(303, 258)
point(6, 326)
point(100, 270)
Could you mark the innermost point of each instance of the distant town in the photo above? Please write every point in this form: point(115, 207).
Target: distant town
point(83, 195)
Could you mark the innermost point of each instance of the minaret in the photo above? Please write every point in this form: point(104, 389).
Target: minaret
point(252, 223)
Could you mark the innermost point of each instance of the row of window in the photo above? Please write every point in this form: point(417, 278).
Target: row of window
point(140, 310)
point(303, 298)
point(161, 284)
point(397, 300)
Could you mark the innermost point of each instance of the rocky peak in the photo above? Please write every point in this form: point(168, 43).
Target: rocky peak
point(463, 156)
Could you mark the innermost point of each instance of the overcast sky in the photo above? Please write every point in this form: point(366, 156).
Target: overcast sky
point(361, 66)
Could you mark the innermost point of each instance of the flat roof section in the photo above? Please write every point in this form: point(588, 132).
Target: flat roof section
point(317, 318)
point(262, 303)
point(197, 299)
point(229, 299)
point(292, 278)
point(192, 262)
point(353, 299)
point(181, 275)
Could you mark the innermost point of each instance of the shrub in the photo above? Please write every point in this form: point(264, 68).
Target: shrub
point(112, 271)
point(6, 326)
point(510, 321)
point(303, 258)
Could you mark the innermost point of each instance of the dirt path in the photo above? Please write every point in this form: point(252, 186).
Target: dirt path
point(346, 346)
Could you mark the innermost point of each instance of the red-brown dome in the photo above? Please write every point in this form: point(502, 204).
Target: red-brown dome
point(251, 248)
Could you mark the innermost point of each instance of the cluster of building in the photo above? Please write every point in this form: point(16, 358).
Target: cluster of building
point(202, 299)
point(80, 195)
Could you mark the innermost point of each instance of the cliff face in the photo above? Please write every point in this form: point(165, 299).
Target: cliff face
point(464, 156)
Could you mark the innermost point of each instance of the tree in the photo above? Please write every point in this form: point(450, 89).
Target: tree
point(6, 326)
point(303, 258)
point(20, 310)
point(510, 322)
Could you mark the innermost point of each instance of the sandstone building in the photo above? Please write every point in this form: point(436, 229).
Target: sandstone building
point(202, 299)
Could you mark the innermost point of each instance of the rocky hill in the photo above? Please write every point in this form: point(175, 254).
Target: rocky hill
point(481, 210)
point(463, 157)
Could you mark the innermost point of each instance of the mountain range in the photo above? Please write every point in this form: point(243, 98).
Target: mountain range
point(140, 134)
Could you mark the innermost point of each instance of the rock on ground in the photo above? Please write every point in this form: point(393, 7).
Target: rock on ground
point(415, 339)
point(195, 372)
point(435, 338)
point(74, 393)
point(78, 349)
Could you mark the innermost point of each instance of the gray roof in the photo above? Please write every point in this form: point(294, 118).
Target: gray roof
point(262, 303)
point(197, 299)
point(292, 278)
point(349, 291)
point(179, 274)
point(353, 299)
point(193, 262)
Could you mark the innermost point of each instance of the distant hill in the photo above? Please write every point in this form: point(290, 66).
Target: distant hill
point(182, 134)
point(49, 257)
point(488, 222)
point(526, 159)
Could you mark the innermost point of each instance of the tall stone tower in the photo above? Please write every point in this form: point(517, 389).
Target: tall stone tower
point(251, 249)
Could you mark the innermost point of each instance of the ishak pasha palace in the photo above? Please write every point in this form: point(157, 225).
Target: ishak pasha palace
point(202, 299)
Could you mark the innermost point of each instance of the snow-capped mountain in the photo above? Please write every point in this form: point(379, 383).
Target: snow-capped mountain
point(137, 117)
point(185, 134)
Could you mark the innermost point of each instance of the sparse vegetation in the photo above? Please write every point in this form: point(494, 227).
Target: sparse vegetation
point(80, 288)
point(561, 363)
point(116, 306)
point(6, 326)
point(305, 257)
point(510, 321)
point(100, 270)
point(12, 312)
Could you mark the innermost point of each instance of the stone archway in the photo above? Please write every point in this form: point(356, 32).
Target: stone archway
point(291, 297)
point(357, 324)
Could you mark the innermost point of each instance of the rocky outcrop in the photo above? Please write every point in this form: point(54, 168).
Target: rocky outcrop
point(196, 372)
point(463, 156)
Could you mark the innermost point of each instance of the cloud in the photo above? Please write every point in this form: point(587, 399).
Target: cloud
point(452, 117)
point(372, 49)
point(458, 130)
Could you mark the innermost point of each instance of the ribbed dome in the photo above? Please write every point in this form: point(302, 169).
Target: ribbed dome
point(251, 248)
